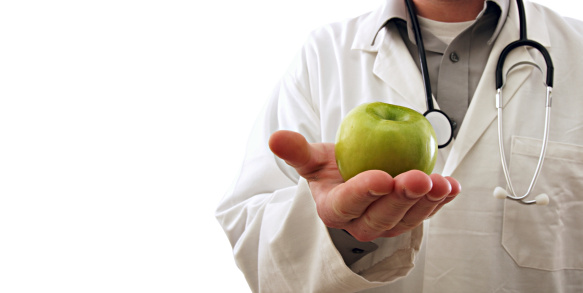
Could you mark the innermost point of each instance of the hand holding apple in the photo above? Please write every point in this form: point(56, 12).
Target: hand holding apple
point(372, 204)
point(380, 136)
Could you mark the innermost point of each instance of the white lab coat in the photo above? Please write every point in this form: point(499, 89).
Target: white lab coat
point(476, 243)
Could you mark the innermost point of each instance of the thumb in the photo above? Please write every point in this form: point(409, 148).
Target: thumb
point(291, 147)
point(295, 150)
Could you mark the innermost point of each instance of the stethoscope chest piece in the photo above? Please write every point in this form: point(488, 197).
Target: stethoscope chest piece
point(441, 125)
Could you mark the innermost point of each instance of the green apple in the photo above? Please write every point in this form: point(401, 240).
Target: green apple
point(381, 136)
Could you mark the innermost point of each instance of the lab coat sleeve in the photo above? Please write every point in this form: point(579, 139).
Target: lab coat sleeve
point(270, 218)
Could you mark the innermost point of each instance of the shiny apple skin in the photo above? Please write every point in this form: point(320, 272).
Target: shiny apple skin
point(381, 136)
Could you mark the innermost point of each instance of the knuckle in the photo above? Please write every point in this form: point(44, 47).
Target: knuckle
point(361, 235)
point(406, 226)
point(393, 233)
point(344, 214)
point(403, 205)
point(378, 224)
point(329, 223)
point(329, 218)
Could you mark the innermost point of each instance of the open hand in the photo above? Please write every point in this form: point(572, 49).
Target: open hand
point(370, 205)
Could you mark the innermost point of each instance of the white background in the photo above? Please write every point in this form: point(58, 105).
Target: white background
point(123, 123)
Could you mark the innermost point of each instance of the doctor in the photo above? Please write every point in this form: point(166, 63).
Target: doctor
point(296, 227)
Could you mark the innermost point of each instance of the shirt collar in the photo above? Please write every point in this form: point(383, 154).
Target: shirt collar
point(371, 30)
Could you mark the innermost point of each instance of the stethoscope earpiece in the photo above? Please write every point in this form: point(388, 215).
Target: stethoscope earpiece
point(541, 199)
point(500, 193)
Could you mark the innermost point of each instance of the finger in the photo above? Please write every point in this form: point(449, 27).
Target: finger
point(423, 208)
point(414, 184)
point(456, 188)
point(295, 150)
point(440, 189)
point(349, 200)
point(386, 212)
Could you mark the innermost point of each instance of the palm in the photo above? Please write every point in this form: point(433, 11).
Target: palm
point(370, 205)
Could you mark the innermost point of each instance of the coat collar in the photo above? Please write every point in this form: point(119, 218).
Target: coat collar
point(370, 32)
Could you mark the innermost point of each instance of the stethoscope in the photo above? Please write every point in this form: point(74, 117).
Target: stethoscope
point(444, 128)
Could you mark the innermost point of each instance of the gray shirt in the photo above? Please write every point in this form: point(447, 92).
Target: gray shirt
point(455, 70)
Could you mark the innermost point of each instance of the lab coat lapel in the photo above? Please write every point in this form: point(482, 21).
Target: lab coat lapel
point(482, 111)
point(395, 66)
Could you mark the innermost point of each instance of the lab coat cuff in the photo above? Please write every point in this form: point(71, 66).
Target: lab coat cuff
point(393, 259)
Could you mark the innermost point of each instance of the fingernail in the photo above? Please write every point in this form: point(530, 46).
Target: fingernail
point(432, 198)
point(376, 193)
point(411, 195)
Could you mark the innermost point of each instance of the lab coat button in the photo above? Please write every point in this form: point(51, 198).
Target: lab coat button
point(453, 124)
point(454, 57)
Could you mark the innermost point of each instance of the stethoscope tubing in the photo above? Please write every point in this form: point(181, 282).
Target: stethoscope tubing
point(447, 132)
point(512, 194)
point(523, 42)
point(421, 52)
point(436, 117)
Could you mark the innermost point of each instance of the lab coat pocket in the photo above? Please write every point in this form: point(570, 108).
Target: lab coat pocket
point(546, 237)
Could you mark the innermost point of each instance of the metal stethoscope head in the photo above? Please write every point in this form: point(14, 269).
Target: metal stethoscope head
point(442, 124)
